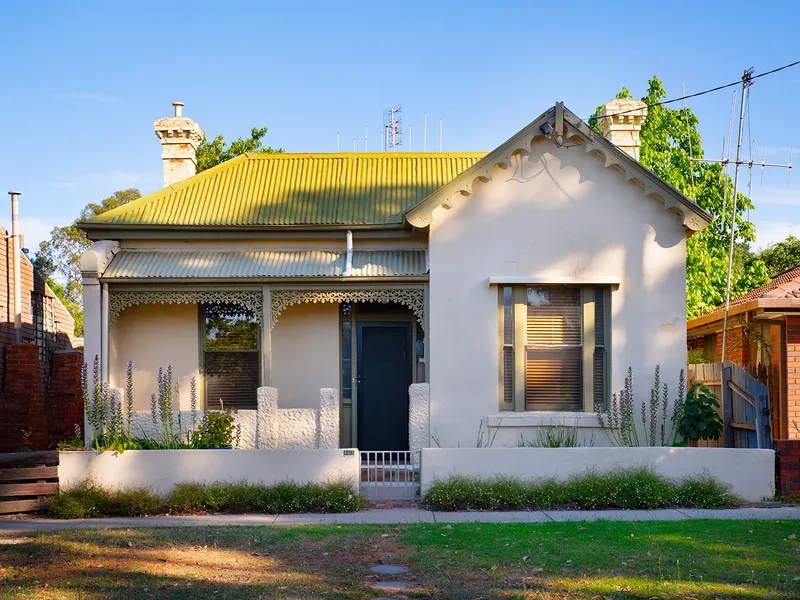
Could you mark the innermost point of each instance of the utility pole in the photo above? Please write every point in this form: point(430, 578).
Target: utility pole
point(747, 81)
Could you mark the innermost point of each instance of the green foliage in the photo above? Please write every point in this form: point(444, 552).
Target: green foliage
point(217, 430)
point(634, 488)
point(700, 420)
point(217, 151)
point(103, 412)
point(90, 499)
point(781, 256)
point(58, 258)
point(659, 418)
point(696, 356)
point(669, 138)
point(554, 436)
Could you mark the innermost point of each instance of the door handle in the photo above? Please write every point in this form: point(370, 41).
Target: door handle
point(359, 379)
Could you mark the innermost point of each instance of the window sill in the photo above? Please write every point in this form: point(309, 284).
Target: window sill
point(542, 419)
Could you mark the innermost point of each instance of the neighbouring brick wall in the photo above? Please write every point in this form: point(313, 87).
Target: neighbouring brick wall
point(63, 338)
point(793, 376)
point(25, 403)
point(64, 396)
point(737, 348)
point(787, 472)
point(22, 404)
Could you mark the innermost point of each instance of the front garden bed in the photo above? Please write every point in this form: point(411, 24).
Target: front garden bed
point(89, 499)
point(636, 488)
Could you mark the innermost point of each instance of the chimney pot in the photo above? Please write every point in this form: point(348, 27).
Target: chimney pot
point(179, 137)
point(621, 121)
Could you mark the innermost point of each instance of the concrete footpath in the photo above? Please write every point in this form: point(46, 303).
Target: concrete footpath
point(400, 516)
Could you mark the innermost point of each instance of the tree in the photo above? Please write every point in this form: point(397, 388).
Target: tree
point(781, 256)
point(666, 141)
point(217, 151)
point(58, 259)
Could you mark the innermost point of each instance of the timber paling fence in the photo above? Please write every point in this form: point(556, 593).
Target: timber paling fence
point(744, 405)
point(26, 480)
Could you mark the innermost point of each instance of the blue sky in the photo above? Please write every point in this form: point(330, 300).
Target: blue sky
point(84, 81)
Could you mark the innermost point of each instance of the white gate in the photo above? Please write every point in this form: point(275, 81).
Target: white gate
point(390, 474)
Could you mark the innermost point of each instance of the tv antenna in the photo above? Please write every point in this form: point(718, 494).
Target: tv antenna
point(391, 126)
point(747, 81)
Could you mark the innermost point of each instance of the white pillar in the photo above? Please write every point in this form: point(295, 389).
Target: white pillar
point(328, 426)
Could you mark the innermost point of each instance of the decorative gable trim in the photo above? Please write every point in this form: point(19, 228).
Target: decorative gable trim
point(576, 132)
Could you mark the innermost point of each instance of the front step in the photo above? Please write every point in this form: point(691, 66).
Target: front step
point(389, 504)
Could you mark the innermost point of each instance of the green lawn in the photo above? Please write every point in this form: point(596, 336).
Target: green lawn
point(688, 559)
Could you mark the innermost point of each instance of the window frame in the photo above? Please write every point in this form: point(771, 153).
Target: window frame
point(202, 393)
point(517, 403)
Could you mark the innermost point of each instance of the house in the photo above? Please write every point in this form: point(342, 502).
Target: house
point(44, 320)
point(40, 397)
point(515, 286)
point(763, 336)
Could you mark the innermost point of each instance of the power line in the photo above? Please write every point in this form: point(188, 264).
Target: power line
point(704, 92)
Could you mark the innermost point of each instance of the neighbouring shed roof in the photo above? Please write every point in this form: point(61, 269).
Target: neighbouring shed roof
point(782, 291)
point(280, 190)
point(136, 264)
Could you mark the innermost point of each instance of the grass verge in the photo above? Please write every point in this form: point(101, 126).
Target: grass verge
point(700, 560)
point(637, 488)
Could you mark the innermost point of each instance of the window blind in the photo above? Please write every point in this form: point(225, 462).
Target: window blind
point(508, 345)
point(233, 378)
point(599, 375)
point(553, 350)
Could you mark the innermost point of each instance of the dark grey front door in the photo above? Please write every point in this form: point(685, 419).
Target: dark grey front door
point(384, 374)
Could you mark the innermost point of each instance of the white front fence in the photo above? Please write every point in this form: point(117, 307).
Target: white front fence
point(266, 427)
point(160, 470)
point(749, 473)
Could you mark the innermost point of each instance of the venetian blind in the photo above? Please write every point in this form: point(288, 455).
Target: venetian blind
point(599, 366)
point(553, 349)
point(508, 347)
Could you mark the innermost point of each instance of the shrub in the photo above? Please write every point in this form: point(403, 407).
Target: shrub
point(636, 488)
point(700, 420)
point(217, 430)
point(90, 499)
point(704, 491)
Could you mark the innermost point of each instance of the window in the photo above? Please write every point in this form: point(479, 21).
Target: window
point(231, 356)
point(553, 348)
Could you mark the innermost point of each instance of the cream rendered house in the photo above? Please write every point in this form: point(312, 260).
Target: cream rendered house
point(514, 288)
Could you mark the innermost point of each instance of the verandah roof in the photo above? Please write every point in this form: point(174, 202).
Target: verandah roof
point(138, 264)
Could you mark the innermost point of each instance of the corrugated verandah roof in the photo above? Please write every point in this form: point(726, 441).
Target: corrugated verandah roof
point(154, 264)
point(297, 190)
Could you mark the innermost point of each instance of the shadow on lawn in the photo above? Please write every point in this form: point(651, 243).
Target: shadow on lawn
point(565, 560)
point(144, 564)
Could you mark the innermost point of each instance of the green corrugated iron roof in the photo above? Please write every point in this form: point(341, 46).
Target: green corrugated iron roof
point(297, 190)
point(135, 264)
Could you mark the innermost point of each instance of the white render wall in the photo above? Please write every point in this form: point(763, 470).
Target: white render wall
point(749, 473)
point(267, 427)
point(560, 213)
point(161, 470)
point(297, 427)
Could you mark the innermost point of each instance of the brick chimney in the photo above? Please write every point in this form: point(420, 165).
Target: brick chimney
point(179, 137)
point(621, 121)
